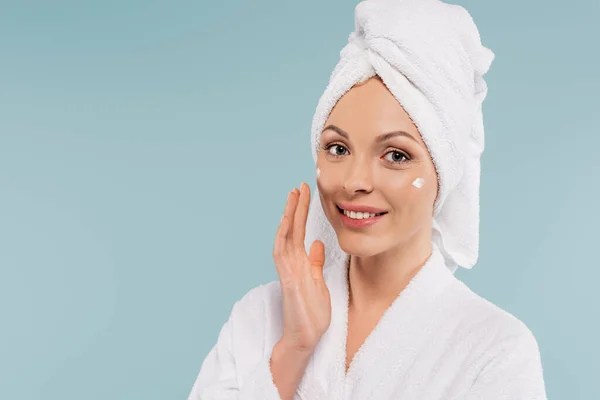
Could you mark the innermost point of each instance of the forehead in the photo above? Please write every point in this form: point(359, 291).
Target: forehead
point(370, 109)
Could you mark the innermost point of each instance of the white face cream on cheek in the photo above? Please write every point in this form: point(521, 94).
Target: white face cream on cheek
point(418, 183)
point(318, 172)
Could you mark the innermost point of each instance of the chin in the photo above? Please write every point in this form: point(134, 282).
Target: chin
point(361, 246)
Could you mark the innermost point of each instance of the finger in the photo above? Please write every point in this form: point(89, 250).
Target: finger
point(289, 209)
point(291, 212)
point(299, 227)
point(288, 212)
point(283, 228)
point(317, 259)
point(281, 236)
point(279, 247)
point(289, 205)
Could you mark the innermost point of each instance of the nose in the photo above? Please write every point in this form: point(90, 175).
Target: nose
point(358, 176)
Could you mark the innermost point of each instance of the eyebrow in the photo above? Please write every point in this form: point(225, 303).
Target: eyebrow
point(380, 138)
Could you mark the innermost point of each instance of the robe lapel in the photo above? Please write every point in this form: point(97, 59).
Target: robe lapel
point(390, 349)
point(325, 374)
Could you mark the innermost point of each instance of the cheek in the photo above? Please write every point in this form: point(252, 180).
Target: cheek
point(422, 193)
point(402, 183)
point(328, 179)
point(410, 194)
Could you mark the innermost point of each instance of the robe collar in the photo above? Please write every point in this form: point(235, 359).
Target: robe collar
point(388, 350)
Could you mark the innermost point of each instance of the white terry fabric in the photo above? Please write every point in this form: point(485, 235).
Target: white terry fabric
point(437, 341)
point(429, 55)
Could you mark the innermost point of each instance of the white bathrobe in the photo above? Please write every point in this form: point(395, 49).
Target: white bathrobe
point(438, 340)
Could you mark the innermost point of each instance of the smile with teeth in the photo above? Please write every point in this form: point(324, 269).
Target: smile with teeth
point(359, 215)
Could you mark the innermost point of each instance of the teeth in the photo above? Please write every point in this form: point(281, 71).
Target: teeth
point(359, 215)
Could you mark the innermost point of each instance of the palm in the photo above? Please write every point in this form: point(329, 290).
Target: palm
point(305, 297)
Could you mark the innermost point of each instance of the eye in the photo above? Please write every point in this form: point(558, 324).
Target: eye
point(338, 148)
point(398, 157)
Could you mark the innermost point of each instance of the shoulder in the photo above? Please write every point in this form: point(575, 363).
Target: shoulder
point(259, 300)
point(253, 327)
point(257, 315)
point(490, 329)
point(502, 353)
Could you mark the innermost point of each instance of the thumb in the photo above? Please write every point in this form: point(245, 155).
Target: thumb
point(316, 257)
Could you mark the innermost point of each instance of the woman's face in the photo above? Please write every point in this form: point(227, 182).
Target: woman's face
point(360, 167)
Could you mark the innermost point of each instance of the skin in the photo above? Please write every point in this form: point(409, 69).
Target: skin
point(359, 170)
point(383, 257)
point(306, 301)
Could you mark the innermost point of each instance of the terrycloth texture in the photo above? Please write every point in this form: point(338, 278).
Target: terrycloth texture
point(437, 341)
point(429, 55)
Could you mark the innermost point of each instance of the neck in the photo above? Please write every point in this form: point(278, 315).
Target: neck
point(376, 281)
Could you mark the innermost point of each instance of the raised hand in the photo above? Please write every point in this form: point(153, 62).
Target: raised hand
point(305, 296)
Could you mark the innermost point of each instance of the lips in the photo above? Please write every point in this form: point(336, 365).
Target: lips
point(355, 223)
point(360, 208)
point(376, 214)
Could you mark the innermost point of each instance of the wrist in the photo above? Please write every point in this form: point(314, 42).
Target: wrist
point(293, 350)
point(287, 366)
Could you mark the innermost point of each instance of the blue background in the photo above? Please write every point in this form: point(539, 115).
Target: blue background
point(147, 148)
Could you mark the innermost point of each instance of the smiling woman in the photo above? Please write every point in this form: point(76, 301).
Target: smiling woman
point(370, 154)
point(367, 305)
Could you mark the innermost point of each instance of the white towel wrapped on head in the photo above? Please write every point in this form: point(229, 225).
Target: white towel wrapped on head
point(429, 55)
point(438, 339)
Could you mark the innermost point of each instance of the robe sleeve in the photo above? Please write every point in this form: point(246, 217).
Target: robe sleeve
point(514, 372)
point(218, 378)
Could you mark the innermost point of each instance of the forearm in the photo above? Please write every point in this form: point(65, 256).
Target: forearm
point(287, 368)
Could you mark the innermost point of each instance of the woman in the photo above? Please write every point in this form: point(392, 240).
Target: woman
point(373, 311)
